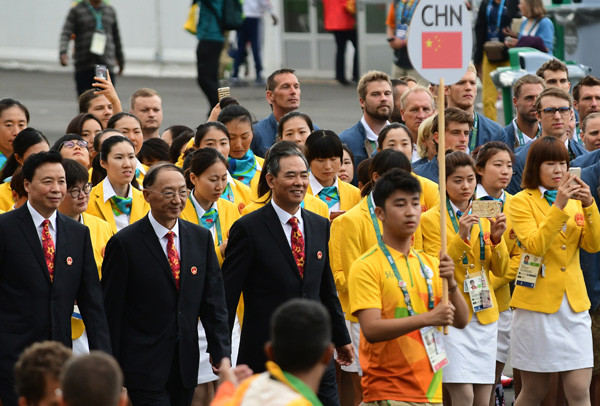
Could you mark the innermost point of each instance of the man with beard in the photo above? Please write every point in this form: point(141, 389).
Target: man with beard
point(416, 105)
point(376, 100)
point(524, 128)
point(146, 105)
point(462, 95)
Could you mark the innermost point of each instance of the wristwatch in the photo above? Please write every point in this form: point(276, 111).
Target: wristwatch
point(390, 39)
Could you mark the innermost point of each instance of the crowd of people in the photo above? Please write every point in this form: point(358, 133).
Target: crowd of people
point(173, 250)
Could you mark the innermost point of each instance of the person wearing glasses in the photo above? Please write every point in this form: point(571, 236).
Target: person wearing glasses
point(117, 199)
point(554, 108)
point(73, 146)
point(74, 205)
point(158, 277)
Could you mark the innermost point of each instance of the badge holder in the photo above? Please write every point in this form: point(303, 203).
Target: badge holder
point(434, 346)
point(529, 267)
point(478, 287)
point(98, 44)
point(401, 30)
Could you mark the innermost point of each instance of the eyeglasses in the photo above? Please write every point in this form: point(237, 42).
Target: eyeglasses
point(76, 190)
point(551, 111)
point(170, 194)
point(71, 144)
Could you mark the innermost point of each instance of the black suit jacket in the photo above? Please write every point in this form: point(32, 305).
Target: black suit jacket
point(259, 262)
point(148, 317)
point(31, 307)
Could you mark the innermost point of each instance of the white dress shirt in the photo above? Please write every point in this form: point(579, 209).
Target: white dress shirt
point(161, 233)
point(481, 192)
point(371, 136)
point(200, 212)
point(284, 217)
point(38, 219)
point(121, 221)
point(316, 187)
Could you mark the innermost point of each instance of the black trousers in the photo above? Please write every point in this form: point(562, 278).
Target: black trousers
point(207, 64)
point(84, 78)
point(341, 40)
point(328, 391)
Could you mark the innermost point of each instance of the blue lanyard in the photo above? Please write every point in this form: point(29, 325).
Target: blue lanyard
point(217, 222)
point(499, 18)
point(97, 15)
point(474, 132)
point(427, 274)
point(374, 220)
point(405, 13)
point(454, 220)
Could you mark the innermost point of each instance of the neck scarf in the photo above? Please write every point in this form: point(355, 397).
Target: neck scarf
point(243, 169)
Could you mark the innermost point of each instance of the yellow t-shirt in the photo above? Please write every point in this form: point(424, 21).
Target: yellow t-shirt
point(397, 369)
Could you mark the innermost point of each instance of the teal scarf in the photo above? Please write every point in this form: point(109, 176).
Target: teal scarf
point(550, 196)
point(208, 218)
point(329, 195)
point(243, 169)
point(120, 205)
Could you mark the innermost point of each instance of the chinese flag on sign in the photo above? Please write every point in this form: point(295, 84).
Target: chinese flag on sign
point(442, 50)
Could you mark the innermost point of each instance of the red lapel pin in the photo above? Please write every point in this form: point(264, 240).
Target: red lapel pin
point(194, 270)
point(319, 255)
point(69, 261)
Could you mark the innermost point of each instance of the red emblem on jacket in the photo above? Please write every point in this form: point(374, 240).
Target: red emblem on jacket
point(579, 220)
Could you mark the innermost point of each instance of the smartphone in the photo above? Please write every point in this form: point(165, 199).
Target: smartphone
point(224, 92)
point(101, 72)
point(575, 172)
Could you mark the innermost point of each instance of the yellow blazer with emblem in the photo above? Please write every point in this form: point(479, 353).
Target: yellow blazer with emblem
point(496, 256)
point(6, 199)
point(311, 203)
point(349, 195)
point(540, 229)
point(242, 195)
point(430, 194)
point(100, 233)
point(356, 236)
point(99, 208)
point(228, 214)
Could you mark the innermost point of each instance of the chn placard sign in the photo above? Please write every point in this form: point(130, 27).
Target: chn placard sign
point(440, 40)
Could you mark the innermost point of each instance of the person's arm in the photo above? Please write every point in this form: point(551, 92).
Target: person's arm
point(65, 36)
point(546, 33)
point(89, 300)
point(106, 87)
point(500, 256)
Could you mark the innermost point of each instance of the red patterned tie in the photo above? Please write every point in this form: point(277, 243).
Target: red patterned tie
point(48, 246)
point(173, 257)
point(297, 245)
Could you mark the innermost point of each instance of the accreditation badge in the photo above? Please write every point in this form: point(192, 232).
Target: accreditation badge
point(98, 44)
point(529, 267)
point(434, 346)
point(476, 284)
point(401, 30)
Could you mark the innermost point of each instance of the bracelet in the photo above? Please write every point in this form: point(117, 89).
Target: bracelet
point(450, 291)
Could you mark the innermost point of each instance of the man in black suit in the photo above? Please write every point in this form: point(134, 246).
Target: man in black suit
point(46, 265)
point(159, 275)
point(277, 253)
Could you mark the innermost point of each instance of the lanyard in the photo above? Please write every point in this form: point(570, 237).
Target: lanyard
point(97, 15)
point(454, 220)
point(371, 205)
point(427, 274)
point(404, 13)
point(499, 18)
point(217, 223)
point(577, 134)
point(474, 131)
point(521, 136)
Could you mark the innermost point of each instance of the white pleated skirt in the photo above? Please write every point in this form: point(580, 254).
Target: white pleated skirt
point(504, 322)
point(205, 372)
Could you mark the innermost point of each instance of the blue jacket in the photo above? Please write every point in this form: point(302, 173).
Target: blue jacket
point(429, 170)
point(488, 130)
point(545, 31)
point(355, 137)
point(420, 162)
point(590, 263)
point(264, 134)
point(514, 186)
point(510, 137)
point(585, 160)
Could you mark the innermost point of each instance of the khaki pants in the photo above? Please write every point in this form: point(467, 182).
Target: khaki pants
point(490, 93)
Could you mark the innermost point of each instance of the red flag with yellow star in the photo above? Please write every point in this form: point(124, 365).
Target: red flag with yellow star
point(442, 50)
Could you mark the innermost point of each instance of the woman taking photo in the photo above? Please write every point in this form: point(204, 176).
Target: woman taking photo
point(477, 248)
point(553, 217)
point(117, 199)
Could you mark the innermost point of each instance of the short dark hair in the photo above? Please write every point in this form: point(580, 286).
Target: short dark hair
point(36, 364)
point(362, 174)
point(553, 65)
point(542, 150)
point(113, 120)
point(487, 151)
point(36, 160)
point(323, 144)
point(588, 81)
point(107, 145)
point(454, 115)
point(272, 83)
point(85, 99)
point(178, 130)
point(279, 150)
point(100, 135)
point(202, 159)
point(392, 126)
point(67, 137)
point(290, 115)
point(94, 379)
point(153, 173)
point(349, 151)
point(76, 124)
point(300, 334)
point(204, 128)
point(383, 162)
point(7, 103)
point(177, 144)
point(392, 181)
point(234, 112)
point(75, 173)
point(458, 159)
point(24, 140)
point(154, 149)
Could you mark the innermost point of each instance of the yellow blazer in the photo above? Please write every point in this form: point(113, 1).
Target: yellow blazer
point(311, 203)
point(100, 233)
point(189, 145)
point(256, 178)
point(6, 199)
point(496, 256)
point(142, 175)
point(335, 261)
point(539, 227)
point(349, 195)
point(356, 236)
point(99, 208)
point(228, 214)
point(430, 193)
point(242, 195)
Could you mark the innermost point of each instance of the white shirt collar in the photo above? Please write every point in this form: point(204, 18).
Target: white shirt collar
point(140, 166)
point(371, 136)
point(454, 207)
point(109, 191)
point(542, 190)
point(160, 230)
point(481, 192)
point(284, 216)
point(199, 210)
point(38, 219)
point(230, 180)
point(316, 186)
